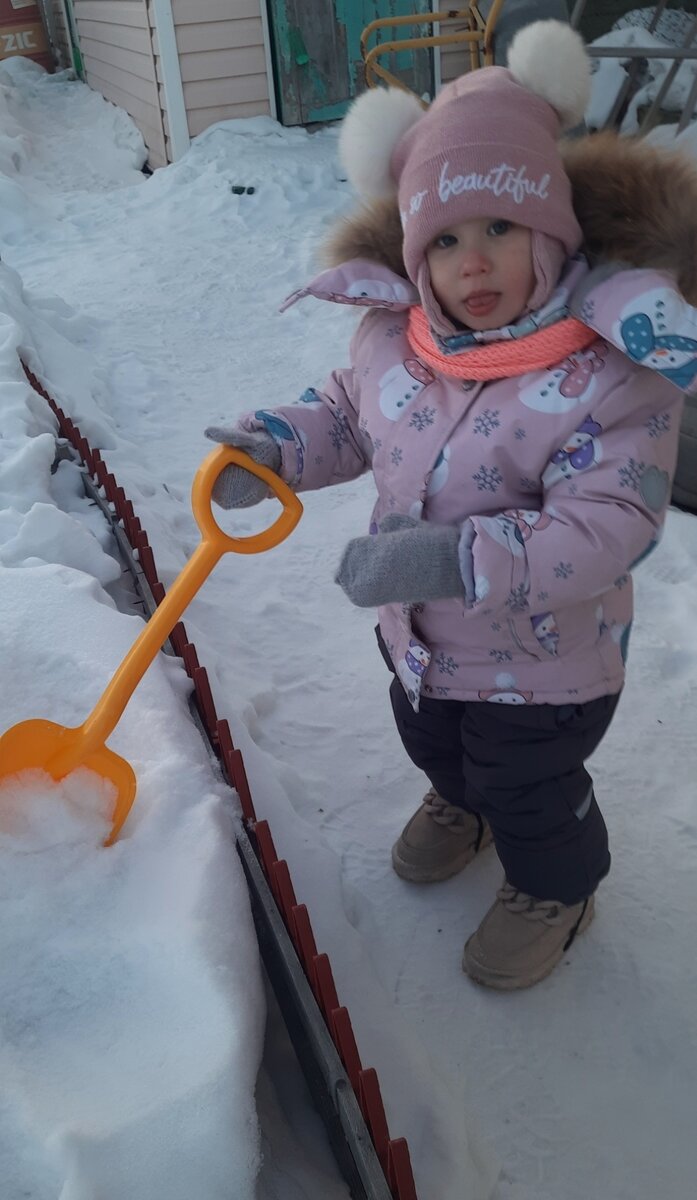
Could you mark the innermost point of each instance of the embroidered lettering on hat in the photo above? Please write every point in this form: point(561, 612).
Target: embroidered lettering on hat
point(499, 180)
point(415, 203)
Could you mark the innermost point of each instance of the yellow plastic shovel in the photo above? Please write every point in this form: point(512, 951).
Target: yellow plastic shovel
point(57, 749)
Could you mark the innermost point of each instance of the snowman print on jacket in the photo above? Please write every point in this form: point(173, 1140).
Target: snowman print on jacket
point(412, 668)
point(514, 527)
point(670, 354)
point(566, 385)
point(581, 451)
point(439, 475)
point(505, 692)
point(525, 521)
point(400, 384)
point(546, 630)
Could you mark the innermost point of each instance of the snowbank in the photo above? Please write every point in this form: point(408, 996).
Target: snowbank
point(131, 1004)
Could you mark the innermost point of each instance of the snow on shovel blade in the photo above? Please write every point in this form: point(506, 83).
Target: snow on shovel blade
point(43, 745)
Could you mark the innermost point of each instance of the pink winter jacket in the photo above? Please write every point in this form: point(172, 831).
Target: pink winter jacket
point(565, 473)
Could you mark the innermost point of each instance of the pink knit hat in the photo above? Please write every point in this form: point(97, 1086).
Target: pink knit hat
point(486, 147)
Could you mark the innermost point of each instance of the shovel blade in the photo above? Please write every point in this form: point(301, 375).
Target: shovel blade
point(32, 745)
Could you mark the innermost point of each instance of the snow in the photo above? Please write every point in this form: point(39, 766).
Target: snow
point(131, 993)
point(611, 73)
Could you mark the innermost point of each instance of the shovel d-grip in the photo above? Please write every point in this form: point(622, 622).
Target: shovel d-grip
point(59, 749)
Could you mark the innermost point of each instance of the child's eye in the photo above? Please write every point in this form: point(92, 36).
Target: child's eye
point(445, 240)
point(497, 228)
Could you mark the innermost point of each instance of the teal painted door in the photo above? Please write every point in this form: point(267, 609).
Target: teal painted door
point(317, 58)
point(74, 40)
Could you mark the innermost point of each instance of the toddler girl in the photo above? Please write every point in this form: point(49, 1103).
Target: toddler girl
point(523, 466)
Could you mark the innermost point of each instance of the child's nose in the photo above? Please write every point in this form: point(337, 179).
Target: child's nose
point(475, 262)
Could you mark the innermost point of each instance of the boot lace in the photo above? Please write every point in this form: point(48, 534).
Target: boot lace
point(443, 813)
point(549, 911)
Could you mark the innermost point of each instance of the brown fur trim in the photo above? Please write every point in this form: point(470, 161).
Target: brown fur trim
point(373, 232)
point(636, 203)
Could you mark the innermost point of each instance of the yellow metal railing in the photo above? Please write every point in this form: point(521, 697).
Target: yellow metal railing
point(478, 34)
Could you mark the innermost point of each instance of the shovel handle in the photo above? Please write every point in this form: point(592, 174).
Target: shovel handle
point(214, 543)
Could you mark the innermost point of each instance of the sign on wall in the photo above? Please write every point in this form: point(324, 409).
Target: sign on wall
point(22, 32)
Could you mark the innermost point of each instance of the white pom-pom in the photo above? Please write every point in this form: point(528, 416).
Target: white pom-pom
point(549, 58)
point(369, 133)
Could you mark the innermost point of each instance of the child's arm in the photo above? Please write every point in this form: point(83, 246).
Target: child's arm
point(599, 517)
point(310, 444)
point(603, 509)
point(318, 436)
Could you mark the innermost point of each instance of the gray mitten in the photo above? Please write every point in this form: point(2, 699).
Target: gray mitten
point(405, 562)
point(235, 487)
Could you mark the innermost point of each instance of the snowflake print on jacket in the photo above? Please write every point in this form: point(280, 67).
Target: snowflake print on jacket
point(658, 424)
point(488, 479)
point(422, 418)
point(486, 422)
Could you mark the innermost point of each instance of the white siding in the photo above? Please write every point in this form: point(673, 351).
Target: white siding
point(221, 55)
point(116, 47)
point(455, 59)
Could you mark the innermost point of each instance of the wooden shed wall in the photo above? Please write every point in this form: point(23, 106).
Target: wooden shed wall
point(222, 58)
point(116, 46)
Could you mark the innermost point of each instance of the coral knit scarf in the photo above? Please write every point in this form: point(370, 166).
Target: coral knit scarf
point(504, 359)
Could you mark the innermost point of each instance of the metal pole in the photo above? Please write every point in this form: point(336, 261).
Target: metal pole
point(69, 36)
point(689, 108)
point(630, 81)
point(50, 23)
point(649, 121)
point(641, 52)
point(579, 9)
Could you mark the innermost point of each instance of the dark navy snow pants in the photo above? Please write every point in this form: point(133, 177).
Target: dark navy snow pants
point(522, 768)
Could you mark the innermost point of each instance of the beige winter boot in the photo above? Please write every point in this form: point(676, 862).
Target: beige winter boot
point(438, 841)
point(522, 939)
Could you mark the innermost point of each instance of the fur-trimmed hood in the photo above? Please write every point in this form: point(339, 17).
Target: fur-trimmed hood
point(636, 204)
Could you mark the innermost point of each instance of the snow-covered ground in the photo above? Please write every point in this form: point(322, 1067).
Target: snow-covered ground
point(130, 994)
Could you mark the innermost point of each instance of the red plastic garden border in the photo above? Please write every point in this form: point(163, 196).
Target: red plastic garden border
point(393, 1153)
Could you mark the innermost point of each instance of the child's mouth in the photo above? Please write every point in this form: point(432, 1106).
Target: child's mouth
point(480, 304)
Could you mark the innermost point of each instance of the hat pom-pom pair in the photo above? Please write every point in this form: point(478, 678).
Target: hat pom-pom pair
point(548, 58)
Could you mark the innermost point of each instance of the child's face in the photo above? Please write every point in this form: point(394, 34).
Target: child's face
point(481, 271)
